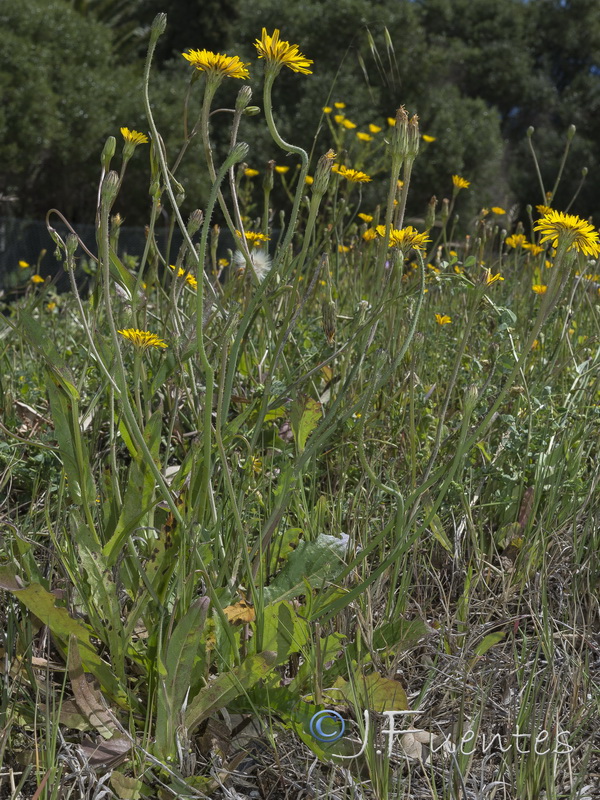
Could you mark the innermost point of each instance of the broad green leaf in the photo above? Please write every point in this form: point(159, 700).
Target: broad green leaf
point(228, 686)
point(312, 563)
point(120, 274)
point(42, 603)
point(284, 631)
point(488, 642)
point(305, 416)
point(71, 444)
point(44, 344)
point(436, 526)
point(174, 682)
point(371, 692)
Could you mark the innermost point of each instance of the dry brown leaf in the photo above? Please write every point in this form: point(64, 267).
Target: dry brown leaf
point(89, 700)
point(240, 612)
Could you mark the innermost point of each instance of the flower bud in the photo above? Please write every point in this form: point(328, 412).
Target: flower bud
point(584, 172)
point(238, 153)
point(243, 98)
point(571, 132)
point(445, 210)
point(470, 400)
point(195, 221)
point(251, 111)
point(530, 131)
point(108, 152)
point(329, 320)
point(269, 178)
point(399, 136)
point(322, 173)
point(159, 25)
point(110, 188)
point(413, 138)
point(430, 215)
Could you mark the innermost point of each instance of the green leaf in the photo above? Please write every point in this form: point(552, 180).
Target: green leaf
point(488, 642)
point(305, 416)
point(312, 564)
point(45, 346)
point(174, 682)
point(284, 631)
point(228, 686)
point(372, 692)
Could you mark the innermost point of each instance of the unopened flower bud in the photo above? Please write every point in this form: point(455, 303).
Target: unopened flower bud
point(179, 192)
point(110, 187)
point(329, 320)
point(194, 222)
point(571, 132)
point(399, 135)
point(445, 210)
point(108, 152)
point(322, 173)
point(251, 111)
point(430, 214)
point(243, 98)
point(269, 179)
point(413, 138)
point(239, 153)
point(159, 25)
point(470, 400)
point(530, 131)
point(584, 172)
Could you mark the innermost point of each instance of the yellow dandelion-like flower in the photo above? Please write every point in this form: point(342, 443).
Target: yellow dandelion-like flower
point(339, 118)
point(497, 210)
point(134, 137)
point(427, 138)
point(279, 53)
point(142, 339)
point(443, 319)
point(309, 180)
point(189, 279)
point(23, 264)
point(543, 210)
point(223, 262)
point(327, 109)
point(342, 248)
point(348, 124)
point(364, 137)
point(516, 240)
point(534, 249)
point(365, 217)
point(391, 121)
point(352, 175)
point(405, 238)
point(251, 173)
point(369, 235)
point(489, 278)
point(37, 279)
point(282, 170)
point(374, 128)
point(536, 344)
point(434, 268)
point(459, 270)
point(217, 64)
point(558, 227)
point(51, 306)
point(460, 183)
point(340, 105)
point(254, 239)
point(539, 289)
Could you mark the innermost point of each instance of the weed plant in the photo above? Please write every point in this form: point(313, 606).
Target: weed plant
point(349, 467)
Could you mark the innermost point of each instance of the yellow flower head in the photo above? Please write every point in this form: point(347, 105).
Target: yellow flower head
point(516, 240)
point(365, 217)
point(558, 227)
point(369, 235)
point(37, 279)
point(223, 262)
point(427, 138)
point(489, 278)
point(282, 170)
point(543, 210)
point(460, 183)
point(254, 239)
point(534, 249)
point(251, 173)
point(133, 137)
point(342, 248)
point(278, 53)
point(309, 180)
point(352, 175)
point(364, 137)
point(391, 121)
point(374, 128)
point(539, 289)
point(189, 279)
point(339, 118)
point(340, 105)
point(443, 319)
point(23, 264)
point(51, 306)
point(327, 109)
point(142, 339)
point(405, 238)
point(348, 124)
point(498, 211)
point(217, 64)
